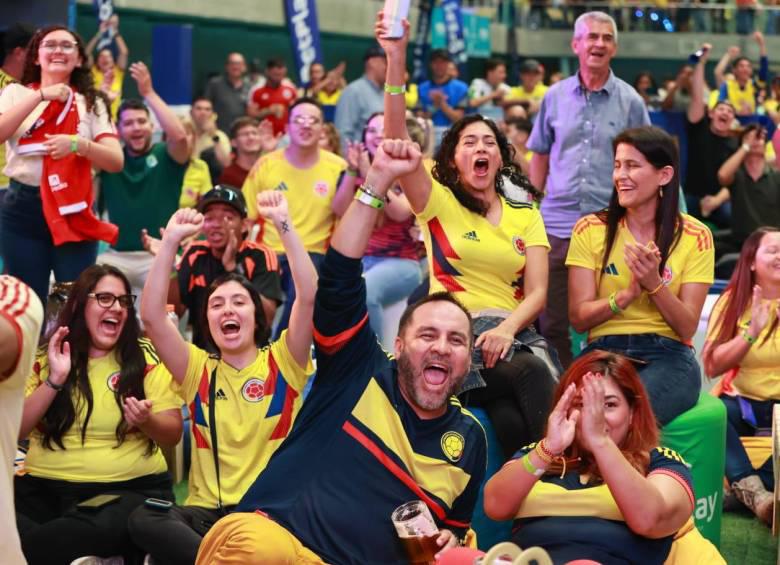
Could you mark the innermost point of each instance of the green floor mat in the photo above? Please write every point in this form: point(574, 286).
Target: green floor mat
point(746, 541)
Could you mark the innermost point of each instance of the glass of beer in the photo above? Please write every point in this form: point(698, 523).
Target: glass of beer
point(417, 531)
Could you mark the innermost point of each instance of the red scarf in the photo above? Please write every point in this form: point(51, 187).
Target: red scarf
point(66, 183)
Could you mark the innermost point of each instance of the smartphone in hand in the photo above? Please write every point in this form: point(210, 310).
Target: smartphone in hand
point(395, 12)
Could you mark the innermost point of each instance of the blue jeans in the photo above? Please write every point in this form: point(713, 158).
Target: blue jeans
point(289, 290)
point(738, 465)
point(388, 280)
point(671, 375)
point(27, 247)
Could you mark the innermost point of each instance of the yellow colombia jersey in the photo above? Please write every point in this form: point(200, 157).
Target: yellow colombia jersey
point(759, 370)
point(741, 98)
point(196, 183)
point(254, 411)
point(329, 99)
point(309, 195)
point(100, 459)
point(692, 261)
point(116, 86)
point(518, 93)
point(480, 263)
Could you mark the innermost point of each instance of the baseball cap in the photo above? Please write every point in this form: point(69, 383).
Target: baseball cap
point(530, 66)
point(226, 195)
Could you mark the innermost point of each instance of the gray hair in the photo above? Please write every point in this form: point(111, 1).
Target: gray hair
point(580, 25)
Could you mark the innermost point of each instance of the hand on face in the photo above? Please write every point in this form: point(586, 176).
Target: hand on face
point(562, 422)
point(184, 223)
point(59, 356)
point(593, 424)
point(643, 262)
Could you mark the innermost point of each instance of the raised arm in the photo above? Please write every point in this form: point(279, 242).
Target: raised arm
point(272, 205)
point(697, 106)
point(763, 62)
point(90, 47)
point(416, 184)
point(723, 64)
point(175, 136)
point(165, 336)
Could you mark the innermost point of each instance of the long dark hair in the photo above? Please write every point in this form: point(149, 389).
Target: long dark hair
point(445, 172)
point(61, 414)
point(81, 77)
point(642, 434)
point(660, 150)
point(262, 331)
point(738, 293)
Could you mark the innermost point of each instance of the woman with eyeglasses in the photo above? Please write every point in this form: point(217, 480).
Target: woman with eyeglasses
point(98, 406)
point(57, 127)
point(244, 399)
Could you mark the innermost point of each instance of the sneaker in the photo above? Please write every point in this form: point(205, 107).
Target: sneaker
point(750, 491)
point(94, 560)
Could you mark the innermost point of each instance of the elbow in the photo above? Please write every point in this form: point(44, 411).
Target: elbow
point(576, 320)
point(115, 163)
point(495, 505)
point(645, 524)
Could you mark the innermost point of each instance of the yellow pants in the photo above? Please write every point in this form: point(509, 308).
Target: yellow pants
point(244, 538)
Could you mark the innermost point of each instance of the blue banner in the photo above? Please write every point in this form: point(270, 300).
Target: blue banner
point(104, 9)
point(420, 53)
point(453, 23)
point(304, 34)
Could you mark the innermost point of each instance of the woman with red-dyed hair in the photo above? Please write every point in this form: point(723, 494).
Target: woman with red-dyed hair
point(743, 343)
point(597, 486)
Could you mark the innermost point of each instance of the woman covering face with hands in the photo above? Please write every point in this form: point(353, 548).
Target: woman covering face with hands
point(57, 127)
point(486, 249)
point(743, 344)
point(639, 272)
point(97, 405)
point(244, 399)
point(597, 486)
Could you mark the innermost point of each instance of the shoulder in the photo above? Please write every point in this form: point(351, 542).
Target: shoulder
point(517, 205)
point(588, 223)
point(665, 454)
point(332, 160)
point(469, 425)
point(696, 231)
point(562, 86)
point(459, 85)
point(150, 353)
point(12, 89)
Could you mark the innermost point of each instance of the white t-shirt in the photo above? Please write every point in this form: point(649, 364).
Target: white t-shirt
point(27, 168)
point(478, 88)
point(22, 308)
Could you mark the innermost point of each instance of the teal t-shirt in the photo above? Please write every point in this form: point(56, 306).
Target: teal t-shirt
point(143, 195)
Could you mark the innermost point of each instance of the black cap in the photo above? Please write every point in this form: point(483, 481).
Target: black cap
point(226, 195)
point(374, 51)
point(441, 54)
point(530, 66)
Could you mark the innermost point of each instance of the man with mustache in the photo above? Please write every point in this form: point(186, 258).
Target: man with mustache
point(374, 432)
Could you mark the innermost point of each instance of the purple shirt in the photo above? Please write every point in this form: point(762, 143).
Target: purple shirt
point(576, 128)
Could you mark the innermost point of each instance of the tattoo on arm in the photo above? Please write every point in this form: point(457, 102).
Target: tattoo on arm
point(285, 226)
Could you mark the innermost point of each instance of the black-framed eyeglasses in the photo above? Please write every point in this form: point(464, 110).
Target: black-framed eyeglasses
point(106, 299)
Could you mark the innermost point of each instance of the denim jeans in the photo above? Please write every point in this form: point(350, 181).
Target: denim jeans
point(289, 290)
point(26, 245)
point(738, 465)
point(671, 374)
point(388, 280)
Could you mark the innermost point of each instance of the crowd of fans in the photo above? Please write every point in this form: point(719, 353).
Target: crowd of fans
point(505, 215)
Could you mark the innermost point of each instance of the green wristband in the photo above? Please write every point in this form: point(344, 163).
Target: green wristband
point(391, 89)
point(748, 338)
point(74, 143)
point(613, 305)
point(529, 466)
point(369, 200)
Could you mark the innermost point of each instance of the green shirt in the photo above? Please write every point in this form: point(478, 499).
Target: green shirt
point(143, 195)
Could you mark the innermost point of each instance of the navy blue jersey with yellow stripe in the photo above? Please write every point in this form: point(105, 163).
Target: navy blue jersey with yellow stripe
point(358, 450)
point(572, 520)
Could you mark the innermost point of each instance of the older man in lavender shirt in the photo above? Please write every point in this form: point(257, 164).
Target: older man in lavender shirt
point(572, 144)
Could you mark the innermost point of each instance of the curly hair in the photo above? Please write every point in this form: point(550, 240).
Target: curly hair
point(445, 172)
point(81, 77)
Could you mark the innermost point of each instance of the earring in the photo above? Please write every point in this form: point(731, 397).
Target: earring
point(661, 191)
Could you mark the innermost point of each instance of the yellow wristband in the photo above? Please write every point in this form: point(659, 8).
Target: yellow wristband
point(74, 143)
point(529, 466)
point(393, 90)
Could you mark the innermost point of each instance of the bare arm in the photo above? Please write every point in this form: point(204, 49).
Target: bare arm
point(397, 208)
point(730, 167)
point(776, 146)
point(723, 63)
point(175, 136)
point(90, 48)
point(534, 289)
point(453, 114)
point(668, 102)
point(122, 58)
point(163, 428)
point(345, 191)
point(165, 336)
point(540, 163)
point(696, 106)
point(585, 310)
point(12, 118)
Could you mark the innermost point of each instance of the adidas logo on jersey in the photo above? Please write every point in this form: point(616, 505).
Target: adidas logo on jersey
point(610, 270)
point(220, 395)
point(282, 187)
point(471, 235)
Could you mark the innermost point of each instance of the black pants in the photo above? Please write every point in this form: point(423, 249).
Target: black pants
point(54, 531)
point(517, 399)
point(172, 537)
